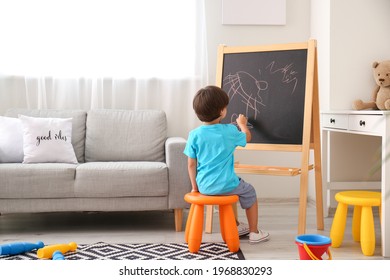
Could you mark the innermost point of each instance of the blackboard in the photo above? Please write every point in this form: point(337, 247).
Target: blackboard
point(268, 87)
point(276, 87)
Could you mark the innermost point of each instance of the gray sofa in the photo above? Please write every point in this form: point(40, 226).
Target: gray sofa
point(126, 162)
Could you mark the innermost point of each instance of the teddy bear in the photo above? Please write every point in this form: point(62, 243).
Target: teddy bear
point(380, 98)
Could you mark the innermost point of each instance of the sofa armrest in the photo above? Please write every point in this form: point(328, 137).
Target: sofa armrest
point(179, 181)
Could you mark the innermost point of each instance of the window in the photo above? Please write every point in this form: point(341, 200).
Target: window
point(89, 38)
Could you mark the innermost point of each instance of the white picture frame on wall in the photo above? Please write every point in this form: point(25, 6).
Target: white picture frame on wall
point(254, 12)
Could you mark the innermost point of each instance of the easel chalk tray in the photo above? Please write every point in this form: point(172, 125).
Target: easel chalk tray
point(276, 87)
point(268, 170)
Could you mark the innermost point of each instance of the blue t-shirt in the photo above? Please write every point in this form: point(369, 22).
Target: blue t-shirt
point(213, 147)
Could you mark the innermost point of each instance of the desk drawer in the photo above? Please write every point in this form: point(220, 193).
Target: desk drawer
point(335, 121)
point(366, 123)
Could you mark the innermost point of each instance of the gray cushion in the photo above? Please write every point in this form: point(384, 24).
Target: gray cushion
point(123, 135)
point(121, 179)
point(39, 180)
point(78, 124)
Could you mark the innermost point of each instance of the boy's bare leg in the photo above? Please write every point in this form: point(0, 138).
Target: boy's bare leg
point(252, 216)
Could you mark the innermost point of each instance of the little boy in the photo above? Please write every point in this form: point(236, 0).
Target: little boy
point(210, 150)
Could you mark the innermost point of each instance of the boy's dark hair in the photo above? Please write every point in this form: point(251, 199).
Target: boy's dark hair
point(209, 102)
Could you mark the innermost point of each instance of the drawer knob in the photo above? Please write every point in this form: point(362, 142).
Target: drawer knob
point(332, 120)
point(362, 123)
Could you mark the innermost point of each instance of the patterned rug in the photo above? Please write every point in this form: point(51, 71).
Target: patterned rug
point(170, 251)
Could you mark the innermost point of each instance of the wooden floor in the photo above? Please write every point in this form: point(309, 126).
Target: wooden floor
point(279, 218)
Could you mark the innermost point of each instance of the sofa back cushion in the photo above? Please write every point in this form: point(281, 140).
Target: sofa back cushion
point(78, 124)
point(125, 135)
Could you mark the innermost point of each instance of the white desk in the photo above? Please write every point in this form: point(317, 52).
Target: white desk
point(374, 123)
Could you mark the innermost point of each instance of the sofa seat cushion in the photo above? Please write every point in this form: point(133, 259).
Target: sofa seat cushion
point(121, 179)
point(40, 180)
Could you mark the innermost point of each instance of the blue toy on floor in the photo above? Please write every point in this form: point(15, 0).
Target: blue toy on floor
point(57, 255)
point(19, 247)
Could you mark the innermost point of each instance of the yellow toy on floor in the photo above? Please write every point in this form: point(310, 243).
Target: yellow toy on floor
point(47, 251)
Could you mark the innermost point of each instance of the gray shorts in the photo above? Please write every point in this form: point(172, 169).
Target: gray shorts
point(246, 193)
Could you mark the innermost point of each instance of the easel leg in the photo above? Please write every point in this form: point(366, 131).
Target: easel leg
point(317, 150)
point(311, 135)
point(307, 135)
point(302, 203)
point(209, 219)
point(234, 205)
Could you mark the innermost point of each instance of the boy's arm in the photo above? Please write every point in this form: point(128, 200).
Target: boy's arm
point(242, 123)
point(192, 164)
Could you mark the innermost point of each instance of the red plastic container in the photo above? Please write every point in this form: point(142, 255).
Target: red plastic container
point(313, 246)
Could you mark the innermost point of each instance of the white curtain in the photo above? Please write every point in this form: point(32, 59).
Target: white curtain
point(83, 54)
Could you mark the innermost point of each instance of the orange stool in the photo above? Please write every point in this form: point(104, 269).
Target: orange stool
point(362, 221)
point(194, 226)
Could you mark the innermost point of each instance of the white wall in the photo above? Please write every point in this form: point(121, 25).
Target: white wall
point(351, 35)
point(359, 35)
point(320, 29)
point(297, 29)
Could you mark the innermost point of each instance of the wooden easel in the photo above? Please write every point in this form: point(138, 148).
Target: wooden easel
point(310, 138)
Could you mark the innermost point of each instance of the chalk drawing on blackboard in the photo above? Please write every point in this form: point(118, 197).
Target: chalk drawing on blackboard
point(257, 93)
point(237, 86)
point(289, 74)
point(233, 119)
